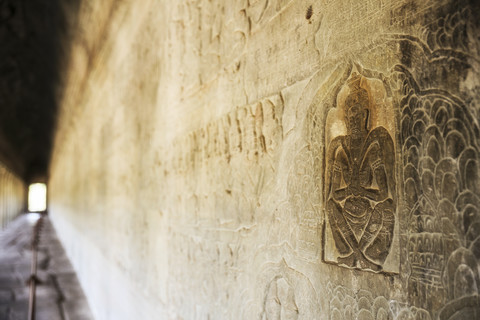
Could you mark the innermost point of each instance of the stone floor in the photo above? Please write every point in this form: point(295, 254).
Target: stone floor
point(59, 295)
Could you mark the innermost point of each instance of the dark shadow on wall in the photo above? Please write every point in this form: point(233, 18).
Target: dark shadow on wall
point(34, 41)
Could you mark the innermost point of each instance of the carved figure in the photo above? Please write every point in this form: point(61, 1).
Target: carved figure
point(360, 186)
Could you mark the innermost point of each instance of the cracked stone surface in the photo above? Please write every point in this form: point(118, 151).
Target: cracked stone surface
point(59, 295)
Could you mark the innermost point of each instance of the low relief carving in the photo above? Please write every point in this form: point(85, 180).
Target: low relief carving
point(261, 11)
point(348, 304)
point(439, 135)
point(360, 183)
point(288, 294)
point(251, 131)
point(221, 33)
point(450, 31)
point(304, 204)
point(280, 301)
point(441, 173)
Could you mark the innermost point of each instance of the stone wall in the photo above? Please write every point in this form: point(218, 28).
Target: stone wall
point(12, 195)
point(272, 159)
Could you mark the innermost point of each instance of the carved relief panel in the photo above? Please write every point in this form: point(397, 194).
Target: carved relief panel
point(360, 186)
point(392, 148)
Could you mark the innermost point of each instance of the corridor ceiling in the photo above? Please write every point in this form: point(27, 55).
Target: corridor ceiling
point(30, 56)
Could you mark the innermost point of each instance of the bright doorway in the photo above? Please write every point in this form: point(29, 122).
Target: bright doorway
point(37, 197)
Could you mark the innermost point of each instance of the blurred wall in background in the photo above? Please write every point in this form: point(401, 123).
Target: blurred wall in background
point(12, 196)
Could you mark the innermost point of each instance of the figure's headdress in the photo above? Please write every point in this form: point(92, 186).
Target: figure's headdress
point(357, 95)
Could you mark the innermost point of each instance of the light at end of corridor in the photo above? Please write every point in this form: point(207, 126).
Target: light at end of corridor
point(37, 197)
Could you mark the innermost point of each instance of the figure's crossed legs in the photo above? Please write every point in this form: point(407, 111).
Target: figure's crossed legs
point(373, 247)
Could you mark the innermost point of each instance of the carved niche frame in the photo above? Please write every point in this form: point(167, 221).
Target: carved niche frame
point(382, 121)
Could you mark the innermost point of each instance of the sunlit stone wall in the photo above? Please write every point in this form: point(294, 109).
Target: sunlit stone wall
point(12, 196)
point(271, 159)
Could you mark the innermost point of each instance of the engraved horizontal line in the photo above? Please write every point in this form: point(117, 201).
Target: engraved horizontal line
point(430, 271)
